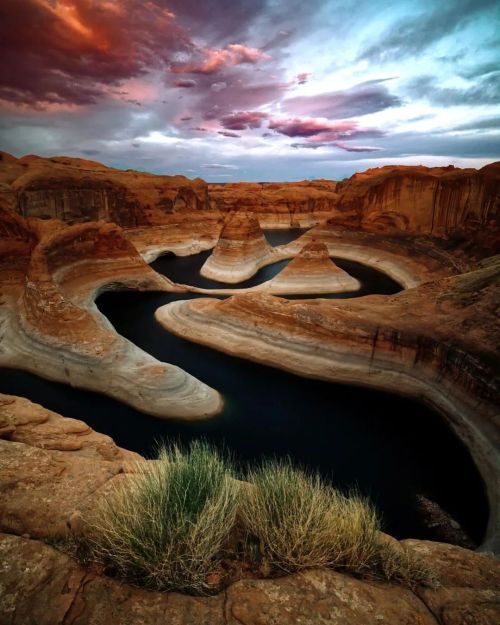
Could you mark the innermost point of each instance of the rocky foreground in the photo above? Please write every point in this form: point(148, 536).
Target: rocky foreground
point(53, 470)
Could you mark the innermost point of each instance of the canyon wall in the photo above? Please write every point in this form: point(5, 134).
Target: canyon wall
point(76, 190)
point(442, 201)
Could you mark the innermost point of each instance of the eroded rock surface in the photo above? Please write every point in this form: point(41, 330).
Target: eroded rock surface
point(43, 586)
point(50, 274)
point(241, 249)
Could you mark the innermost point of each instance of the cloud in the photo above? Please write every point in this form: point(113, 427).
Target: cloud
point(412, 34)
point(337, 144)
point(228, 133)
point(218, 166)
point(218, 86)
point(243, 120)
point(480, 124)
point(185, 83)
point(72, 51)
point(212, 61)
point(303, 77)
point(300, 127)
point(363, 99)
point(485, 91)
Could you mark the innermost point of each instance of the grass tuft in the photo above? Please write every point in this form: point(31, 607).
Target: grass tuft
point(302, 522)
point(166, 526)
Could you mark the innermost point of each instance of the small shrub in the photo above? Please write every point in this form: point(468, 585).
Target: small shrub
point(166, 525)
point(302, 522)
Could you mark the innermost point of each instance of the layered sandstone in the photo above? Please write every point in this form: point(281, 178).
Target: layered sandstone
point(440, 201)
point(241, 250)
point(278, 204)
point(312, 271)
point(424, 200)
point(438, 341)
point(50, 275)
point(76, 190)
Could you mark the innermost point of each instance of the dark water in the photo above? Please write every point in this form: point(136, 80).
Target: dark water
point(388, 447)
point(186, 270)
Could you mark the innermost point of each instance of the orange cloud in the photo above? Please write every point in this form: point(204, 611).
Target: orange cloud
point(214, 60)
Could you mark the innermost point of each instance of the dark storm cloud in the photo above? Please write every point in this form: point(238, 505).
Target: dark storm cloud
point(336, 144)
point(362, 99)
point(412, 34)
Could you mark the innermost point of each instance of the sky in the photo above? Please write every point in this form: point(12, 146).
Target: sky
point(254, 90)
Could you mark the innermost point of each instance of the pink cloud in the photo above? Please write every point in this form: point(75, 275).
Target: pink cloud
point(185, 83)
point(214, 60)
point(308, 127)
point(242, 120)
point(303, 77)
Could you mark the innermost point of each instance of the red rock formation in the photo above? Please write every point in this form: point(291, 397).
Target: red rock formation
point(76, 190)
point(241, 249)
point(279, 204)
point(311, 271)
point(50, 274)
point(438, 200)
point(442, 201)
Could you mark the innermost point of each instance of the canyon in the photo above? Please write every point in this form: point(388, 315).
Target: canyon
point(72, 229)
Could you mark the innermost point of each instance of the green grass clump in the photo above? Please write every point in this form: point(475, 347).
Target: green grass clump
point(302, 522)
point(165, 527)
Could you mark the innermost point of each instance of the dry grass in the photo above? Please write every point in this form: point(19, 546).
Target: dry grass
point(169, 525)
point(302, 522)
point(166, 527)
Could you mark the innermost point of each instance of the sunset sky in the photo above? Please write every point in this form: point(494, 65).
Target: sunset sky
point(252, 89)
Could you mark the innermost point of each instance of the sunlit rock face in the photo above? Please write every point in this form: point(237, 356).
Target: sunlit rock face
point(76, 190)
point(241, 249)
point(423, 200)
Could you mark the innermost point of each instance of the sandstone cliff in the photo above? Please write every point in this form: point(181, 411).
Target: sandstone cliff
point(441, 201)
point(76, 190)
point(50, 274)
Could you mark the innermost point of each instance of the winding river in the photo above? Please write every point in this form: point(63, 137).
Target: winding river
point(389, 448)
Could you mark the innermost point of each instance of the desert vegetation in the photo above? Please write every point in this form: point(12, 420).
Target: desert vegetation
point(185, 522)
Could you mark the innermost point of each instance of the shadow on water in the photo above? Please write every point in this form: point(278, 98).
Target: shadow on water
point(388, 447)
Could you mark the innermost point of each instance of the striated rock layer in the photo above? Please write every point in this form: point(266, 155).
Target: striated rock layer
point(441, 201)
point(53, 470)
point(241, 249)
point(50, 275)
point(310, 272)
point(438, 341)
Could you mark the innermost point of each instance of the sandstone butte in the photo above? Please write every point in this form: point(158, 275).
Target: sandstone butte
point(70, 229)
